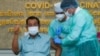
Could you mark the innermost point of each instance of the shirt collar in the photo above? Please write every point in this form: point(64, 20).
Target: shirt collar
point(77, 10)
point(37, 36)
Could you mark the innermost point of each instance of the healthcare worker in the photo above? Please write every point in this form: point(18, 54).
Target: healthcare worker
point(82, 33)
point(60, 27)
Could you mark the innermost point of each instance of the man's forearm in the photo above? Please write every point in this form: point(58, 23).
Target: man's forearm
point(56, 47)
point(58, 51)
point(15, 47)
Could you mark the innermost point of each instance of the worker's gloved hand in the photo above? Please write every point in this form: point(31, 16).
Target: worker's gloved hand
point(57, 40)
point(58, 31)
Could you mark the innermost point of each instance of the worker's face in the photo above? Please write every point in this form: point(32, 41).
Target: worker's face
point(60, 16)
point(32, 26)
point(69, 11)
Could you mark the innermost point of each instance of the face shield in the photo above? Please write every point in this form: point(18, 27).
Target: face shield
point(59, 12)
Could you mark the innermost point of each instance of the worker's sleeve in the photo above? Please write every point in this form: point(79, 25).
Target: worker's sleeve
point(73, 36)
point(51, 31)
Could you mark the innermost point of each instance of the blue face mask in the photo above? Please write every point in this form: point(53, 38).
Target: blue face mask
point(68, 14)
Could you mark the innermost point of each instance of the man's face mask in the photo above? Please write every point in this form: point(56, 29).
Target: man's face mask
point(33, 30)
point(60, 16)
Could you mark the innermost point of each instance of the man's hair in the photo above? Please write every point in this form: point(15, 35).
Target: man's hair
point(31, 18)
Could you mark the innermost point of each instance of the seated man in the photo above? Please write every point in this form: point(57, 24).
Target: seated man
point(33, 43)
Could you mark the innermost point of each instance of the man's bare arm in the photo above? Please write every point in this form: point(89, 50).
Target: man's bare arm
point(15, 47)
point(56, 47)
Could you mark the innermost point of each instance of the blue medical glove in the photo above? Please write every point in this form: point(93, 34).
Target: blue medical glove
point(58, 31)
point(57, 40)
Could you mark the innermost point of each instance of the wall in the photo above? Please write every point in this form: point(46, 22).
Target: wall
point(14, 12)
